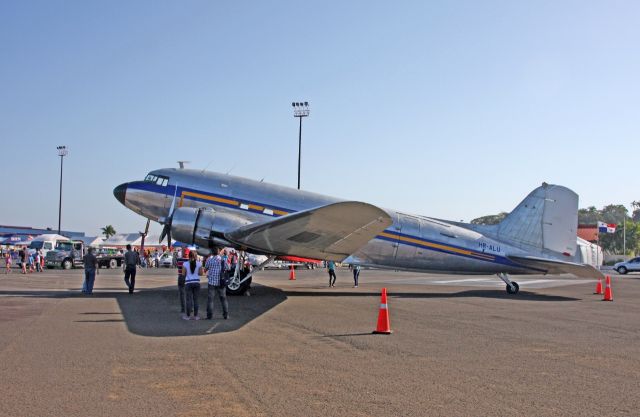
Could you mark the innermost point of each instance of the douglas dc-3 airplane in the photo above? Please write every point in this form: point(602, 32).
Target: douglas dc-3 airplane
point(210, 210)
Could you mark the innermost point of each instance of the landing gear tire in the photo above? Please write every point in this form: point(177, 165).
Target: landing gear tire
point(515, 288)
point(235, 288)
point(113, 264)
point(66, 264)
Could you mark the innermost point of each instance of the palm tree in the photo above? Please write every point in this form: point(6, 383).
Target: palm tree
point(108, 231)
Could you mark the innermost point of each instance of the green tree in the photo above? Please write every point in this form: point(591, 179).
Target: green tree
point(108, 231)
point(636, 211)
point(589, 215)
point(491, 219)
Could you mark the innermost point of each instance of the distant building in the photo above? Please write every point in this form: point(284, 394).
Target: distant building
point(30, 231)
point(121, 240)
point(588, 232)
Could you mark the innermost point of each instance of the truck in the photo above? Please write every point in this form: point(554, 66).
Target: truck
point(68, 254)
point(46, 242)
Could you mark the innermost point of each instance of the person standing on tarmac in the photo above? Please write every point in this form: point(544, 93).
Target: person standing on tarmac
point(23, 260)
point(180, 263)
point(131, 260)
point(356, 275)
point(216, 269)
point(331, 267)
point(7, 260)
point(192, 271)
point(90, 267)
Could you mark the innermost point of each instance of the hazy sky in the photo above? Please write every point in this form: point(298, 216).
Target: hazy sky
point(452, 109)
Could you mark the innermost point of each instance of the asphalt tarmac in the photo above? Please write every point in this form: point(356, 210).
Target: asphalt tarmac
point(461, 347)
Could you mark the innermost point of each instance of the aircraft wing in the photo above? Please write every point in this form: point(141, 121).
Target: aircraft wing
point(330, 232)
point(558, 267)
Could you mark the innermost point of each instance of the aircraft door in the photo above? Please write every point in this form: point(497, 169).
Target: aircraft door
point(406, 251)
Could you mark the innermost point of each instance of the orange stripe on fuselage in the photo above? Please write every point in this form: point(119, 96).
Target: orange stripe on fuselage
point(437, 246)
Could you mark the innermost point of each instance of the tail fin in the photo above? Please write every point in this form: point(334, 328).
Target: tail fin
point(546, 219)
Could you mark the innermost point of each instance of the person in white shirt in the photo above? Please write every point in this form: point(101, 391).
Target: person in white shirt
point(192, 271)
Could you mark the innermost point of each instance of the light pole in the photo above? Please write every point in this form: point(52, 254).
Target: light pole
point(300, 110)
point(62, 152)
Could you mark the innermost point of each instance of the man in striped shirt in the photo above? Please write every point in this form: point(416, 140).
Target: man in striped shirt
point(215, 268)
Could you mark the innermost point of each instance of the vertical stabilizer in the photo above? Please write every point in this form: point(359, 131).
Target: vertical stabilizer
point(546, 219)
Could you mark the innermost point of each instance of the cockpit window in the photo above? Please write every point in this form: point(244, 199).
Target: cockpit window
point(157, 179)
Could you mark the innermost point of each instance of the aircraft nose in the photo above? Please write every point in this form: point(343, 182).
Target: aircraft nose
point(120, 192)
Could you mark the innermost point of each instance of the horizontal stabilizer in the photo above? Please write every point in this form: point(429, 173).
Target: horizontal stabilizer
point(330, 232)
point(552, 266)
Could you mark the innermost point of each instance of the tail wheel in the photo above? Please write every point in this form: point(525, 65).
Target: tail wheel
point(515, 288)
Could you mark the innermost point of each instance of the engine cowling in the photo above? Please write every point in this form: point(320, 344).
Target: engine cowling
point(204, 227)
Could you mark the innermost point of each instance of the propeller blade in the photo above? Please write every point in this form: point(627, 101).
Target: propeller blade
point(166, 230)
point(146, 229)
point(173, 203)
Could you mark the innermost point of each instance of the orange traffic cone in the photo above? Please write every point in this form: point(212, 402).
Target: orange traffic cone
point(383, 316)
point(598, 287)
point(292, 273)
point(608, 293)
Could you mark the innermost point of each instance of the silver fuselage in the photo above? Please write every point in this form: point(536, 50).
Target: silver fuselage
point(412, 242)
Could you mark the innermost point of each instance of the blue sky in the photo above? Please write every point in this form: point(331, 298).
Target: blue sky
point(452, 109)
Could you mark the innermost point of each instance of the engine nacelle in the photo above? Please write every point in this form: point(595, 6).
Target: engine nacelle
point(203, 226)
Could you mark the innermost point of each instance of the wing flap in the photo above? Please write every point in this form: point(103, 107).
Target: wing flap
point(552, 266)
point(330, 232)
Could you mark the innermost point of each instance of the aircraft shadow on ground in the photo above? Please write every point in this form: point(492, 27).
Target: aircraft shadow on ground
point(480, 293)
point(155, 312)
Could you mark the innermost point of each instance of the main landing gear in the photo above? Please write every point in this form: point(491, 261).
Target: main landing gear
point(240, 281)
point(512, 286)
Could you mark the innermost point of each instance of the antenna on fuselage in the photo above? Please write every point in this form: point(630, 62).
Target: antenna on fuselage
point(181, 164)
point(205, 168)
point(232, 168)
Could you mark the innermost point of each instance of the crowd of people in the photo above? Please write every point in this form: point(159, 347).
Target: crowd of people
point(28, 261)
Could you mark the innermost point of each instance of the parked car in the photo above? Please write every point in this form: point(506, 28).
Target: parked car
point(631, 265)
point(166, 260)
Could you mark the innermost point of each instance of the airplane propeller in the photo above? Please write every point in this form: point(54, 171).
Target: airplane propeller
point(166, 230)
point(144, 235)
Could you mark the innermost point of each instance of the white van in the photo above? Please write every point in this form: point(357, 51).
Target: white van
point(46, 242)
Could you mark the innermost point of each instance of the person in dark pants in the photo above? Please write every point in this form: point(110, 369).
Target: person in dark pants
point(356, 275)
point(181, 290)
point(130, 262)
point(331, 267)
point(192, 271)
point(216, 270)
point(90, 267)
